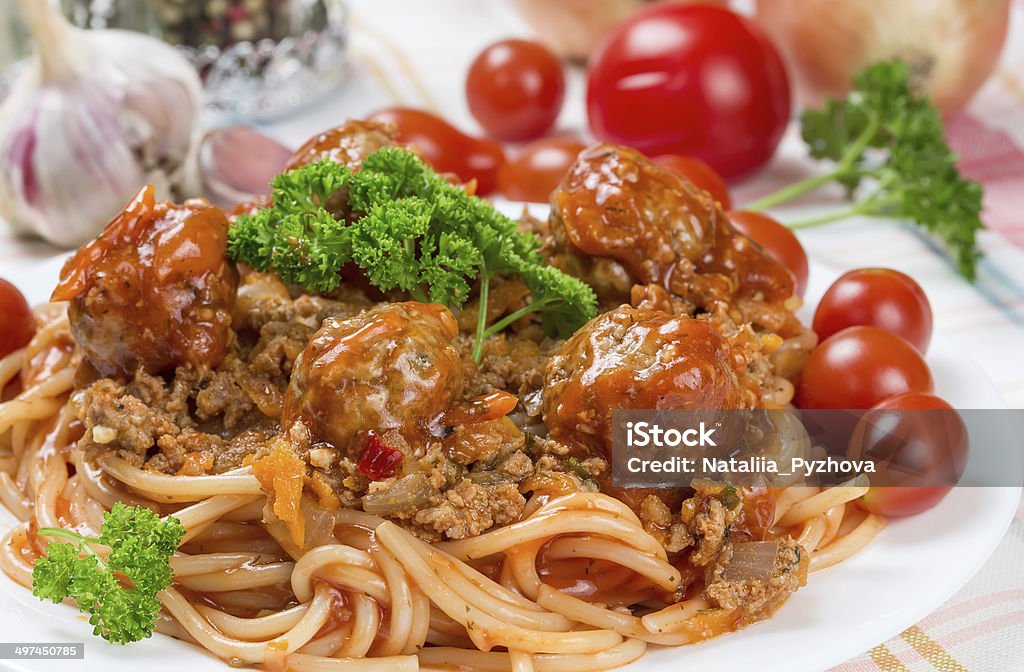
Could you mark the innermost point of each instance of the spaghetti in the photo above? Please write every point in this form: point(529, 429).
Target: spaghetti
point(377, 597)
point(361, 485)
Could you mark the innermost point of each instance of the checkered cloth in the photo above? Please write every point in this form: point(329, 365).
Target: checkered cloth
point(414, 53)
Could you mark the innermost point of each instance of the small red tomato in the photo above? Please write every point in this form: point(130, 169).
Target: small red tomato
point(17, 325)
point(777, 240)
point(378, 460)
point(693, 80)
point(445, 147)
point(700, 173)
point(515, 89)
point(920, 446)
point(533, 173)
point(859, 367)
point(879, 297)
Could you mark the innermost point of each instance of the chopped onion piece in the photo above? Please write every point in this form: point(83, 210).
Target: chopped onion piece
point(407, 492)
point(752, 561)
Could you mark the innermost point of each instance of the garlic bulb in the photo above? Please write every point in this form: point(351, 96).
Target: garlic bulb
point(98, 115)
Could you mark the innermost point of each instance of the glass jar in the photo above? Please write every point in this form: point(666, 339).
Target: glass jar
point(257, 58)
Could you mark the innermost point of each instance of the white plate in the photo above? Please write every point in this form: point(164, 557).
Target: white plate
point(912, 567)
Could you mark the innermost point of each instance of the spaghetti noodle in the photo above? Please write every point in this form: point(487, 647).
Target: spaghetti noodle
point(358, 492)
point(379, 597)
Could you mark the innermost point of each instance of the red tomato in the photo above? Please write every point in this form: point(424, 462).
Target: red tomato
point(700, 173)
point(694, 80)
point(918, 440)
point(532, 174)
point(879, 297)
point(17, 325)
point(378, 460)
point(445, 147)
point(515, 89)
point(777, 240)
point(859, 367)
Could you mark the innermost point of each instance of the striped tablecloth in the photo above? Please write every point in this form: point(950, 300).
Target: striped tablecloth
point(416, 53)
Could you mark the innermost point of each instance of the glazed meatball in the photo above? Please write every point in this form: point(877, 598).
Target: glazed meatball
point(389, 368)
point(642, 359)
point(154, 291)
point(347, 144)
point(618, 220)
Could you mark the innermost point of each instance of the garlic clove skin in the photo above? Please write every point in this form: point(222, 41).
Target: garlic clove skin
point(237, 163)
point(64, 166)
point(99, 115)
point(162, 97)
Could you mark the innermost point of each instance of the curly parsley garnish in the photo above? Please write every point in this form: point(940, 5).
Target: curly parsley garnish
point(887, 137)
point(141, 545)
point(408, 229)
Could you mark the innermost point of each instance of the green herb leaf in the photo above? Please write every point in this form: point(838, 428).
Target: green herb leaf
point(886, 139)
point(141, 545)
point(407, 229)
point(730, 497)
point(581, 472)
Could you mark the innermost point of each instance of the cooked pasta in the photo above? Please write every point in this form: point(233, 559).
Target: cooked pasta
point(359, 490)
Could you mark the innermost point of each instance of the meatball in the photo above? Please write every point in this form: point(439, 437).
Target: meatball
point(618, 220)
point(347, 144)
point(641, 359)
point(390, 368)
point(154, 291)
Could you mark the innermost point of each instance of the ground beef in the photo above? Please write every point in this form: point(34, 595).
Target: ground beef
point(262, 298)
point(702, 523)
point(657, 520)
point(469, 509)
point(512, 362)
point(148, 423)
point(707, 519)
point(757, 597)
point(117, 420)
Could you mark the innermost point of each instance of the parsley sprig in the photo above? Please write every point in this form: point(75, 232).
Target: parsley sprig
point(890, 155)
point(408, 229)
point(141, 545)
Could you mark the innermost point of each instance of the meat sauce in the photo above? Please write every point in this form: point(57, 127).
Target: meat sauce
point(634, 358)
point(155, 289)
point(391, 368)
point(618, 220)
point(376, 402)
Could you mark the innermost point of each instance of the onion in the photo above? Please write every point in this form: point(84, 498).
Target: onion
point(574, 28)
point(752, 561)
point(406, 493)
point(951, 46)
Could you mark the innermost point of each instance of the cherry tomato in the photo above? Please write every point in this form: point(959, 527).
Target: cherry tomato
point(515, 89)
point(533, 173)
point(700, 173)
point(859, 367)
point(445, 147)
point(17, 325)
point(777, 240)
point(919, 443)
point(879, 297)
point(693, 80)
